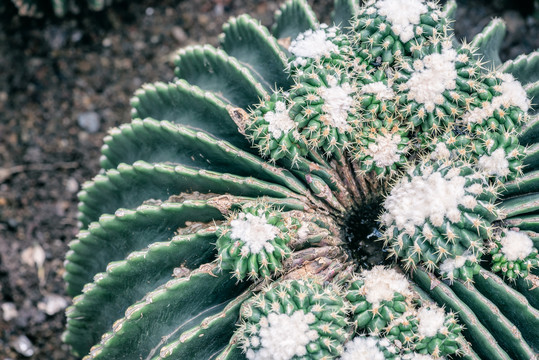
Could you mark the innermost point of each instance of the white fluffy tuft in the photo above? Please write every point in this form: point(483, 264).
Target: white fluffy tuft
point(254, 231)
point(403, 15)
point(337, 103)
point(363, 348)
point(516, 245)
point(381, 90)
point(381, 284)
point(283, 337)
point(432, 76)
point(313, 44)
point(495, 164)
point(431, 320)
point(279, 120)
point(384, 150)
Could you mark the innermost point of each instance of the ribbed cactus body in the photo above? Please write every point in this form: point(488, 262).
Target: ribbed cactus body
point(236, 215)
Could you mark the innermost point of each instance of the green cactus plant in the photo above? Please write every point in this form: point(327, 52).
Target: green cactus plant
point(243, 211)
point(37, 8)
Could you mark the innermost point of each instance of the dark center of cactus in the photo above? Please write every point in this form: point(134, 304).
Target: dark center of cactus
point(360, 231)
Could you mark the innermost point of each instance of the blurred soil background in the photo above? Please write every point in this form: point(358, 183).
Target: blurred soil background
point(63, 83)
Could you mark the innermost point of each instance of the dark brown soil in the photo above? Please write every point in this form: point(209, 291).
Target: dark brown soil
point(53, 71)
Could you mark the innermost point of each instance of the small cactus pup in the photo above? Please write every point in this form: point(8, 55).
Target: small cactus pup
point(365, 189)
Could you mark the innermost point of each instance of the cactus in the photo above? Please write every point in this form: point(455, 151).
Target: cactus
point(244, 210)
point(37, 8)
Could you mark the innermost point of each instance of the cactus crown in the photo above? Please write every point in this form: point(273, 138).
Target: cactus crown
point(235, 212)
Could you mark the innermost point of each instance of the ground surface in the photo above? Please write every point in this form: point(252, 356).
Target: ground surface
point(63, 83)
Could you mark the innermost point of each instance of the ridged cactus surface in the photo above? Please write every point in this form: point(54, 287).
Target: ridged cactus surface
point(366, 189)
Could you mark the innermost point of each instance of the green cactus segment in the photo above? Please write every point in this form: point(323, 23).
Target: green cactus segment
point(499, 326)
point(488, 43)
point(435, 89)
point(525, 68)
point(475, 332)
point(115, 236)
point(294, 319)
point(519, 205)
point(293, 18)
point(153, 142)
point(514, 254)
point(343, 13)
point(531, 160)
point(374, 348)
point(324, 110)
point(204, 340)
point(530, 132)
point(251, 43)
point(169, 310)
point(254, 242)
point(524, 222)
point(213, 70)
point(114, 189)
point(529, 287)
point(127, 281)
point(378, 296)
point(443, 224)
point(231, 352)
point(449, 10)
point(513, 304)
point(188, 106)
point(389, 30)
point(526, 183)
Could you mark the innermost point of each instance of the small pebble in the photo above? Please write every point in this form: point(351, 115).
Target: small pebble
point(72, 186)
point(52, 304)
point(23, 346)
point(89, 121)
point(9, 311)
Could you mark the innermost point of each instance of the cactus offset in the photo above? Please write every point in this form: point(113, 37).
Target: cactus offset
point(238, 214)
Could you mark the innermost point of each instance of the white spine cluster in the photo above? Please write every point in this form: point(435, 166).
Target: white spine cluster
point(403, 15)
point(313, 44)
point(337, 103)
point(512, 94)
point(282, 337)
point(379, 89)
point(432, 76)
point(254, 231)
point(441, 152)
point(381, 284)
point(495, 164)
point(384, 150)
point(516, 245)
point(450, 264)
point(279, 121)
point(429, 196)
point(431, 320)
point(363, 348)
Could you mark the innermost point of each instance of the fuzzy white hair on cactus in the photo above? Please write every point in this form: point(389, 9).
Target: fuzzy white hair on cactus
point(450, 264)
point(254, 231)
point(337, 103)
point(441, 152)
point(279, 121)
point(516, 245)
point(381, 284)
point(429, 196)
point(384, 150)
point(379, 89)
point(403, 15)
point(313, 44)
point(431, 320)
point(282, 336)
point(363, 348)
point(432, 76)
point(496, 164)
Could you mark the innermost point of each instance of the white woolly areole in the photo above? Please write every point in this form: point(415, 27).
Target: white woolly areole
point(416, 356)
point(362, 348)
point(337, 103)
point(403, 15)
point(441, 152)
point(279, 120)
point(429, 196)
point(516, 245)
point(512, 94)
point(450, 264)
point(283, 337)
point(381, 90)
point(254, 231)
point(384, 150)
point(495, 164)
point(313, 44)
point(381, 284)
point(432, 76)
point(431, 321)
